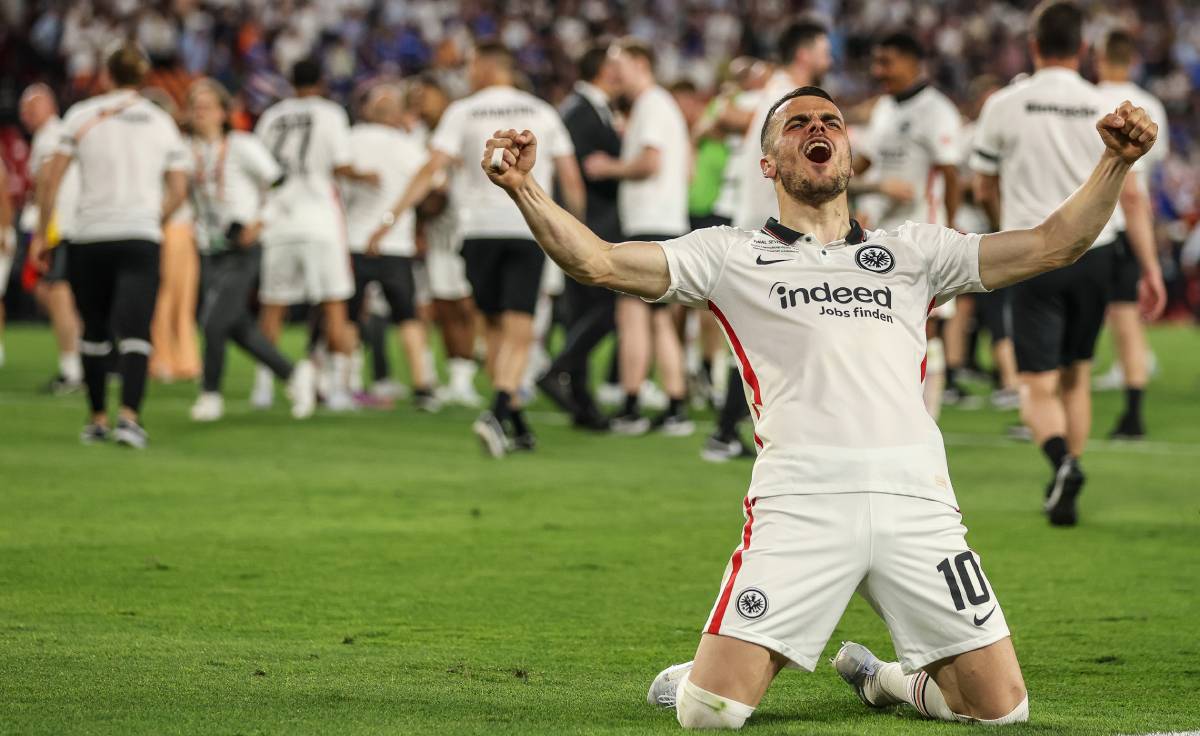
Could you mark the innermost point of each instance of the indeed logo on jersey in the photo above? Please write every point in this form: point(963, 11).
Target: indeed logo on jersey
point(829, 297)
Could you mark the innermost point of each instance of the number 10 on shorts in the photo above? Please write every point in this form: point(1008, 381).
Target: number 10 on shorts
point(958, 572)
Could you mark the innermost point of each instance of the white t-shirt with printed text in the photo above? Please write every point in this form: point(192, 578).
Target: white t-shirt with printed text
point(397, 156)
point(756, 194)
point(124, 145)
point(907, 138)
point(309, 138)
point(657, 204)
point(1039, 135)
point(830, 341)
point(1116, 93)
point(485, 211)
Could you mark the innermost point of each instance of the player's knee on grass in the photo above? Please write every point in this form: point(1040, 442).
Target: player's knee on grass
point(696, 707)
point(1019, 714)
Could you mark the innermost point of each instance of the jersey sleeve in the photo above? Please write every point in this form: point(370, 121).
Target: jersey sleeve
point(176, 158)
point(448, 136)
point(695, 262)
point(951, 258)
point(67, 141)
point(942, 136)
point(558, 141)
point(257, 161)
point(988, 145)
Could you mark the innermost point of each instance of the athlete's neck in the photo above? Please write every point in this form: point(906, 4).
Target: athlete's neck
point(308, 91)
point(1040, 63)
point(1112, 73)
point(209, 135)
point(827, 222)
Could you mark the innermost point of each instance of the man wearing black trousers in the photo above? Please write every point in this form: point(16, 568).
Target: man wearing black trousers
point(590, 310)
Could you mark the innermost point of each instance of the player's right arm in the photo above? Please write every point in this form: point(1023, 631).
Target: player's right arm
point(636, 268)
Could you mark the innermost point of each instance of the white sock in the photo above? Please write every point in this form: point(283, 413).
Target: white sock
point(71, 367)
point(918, 690)
point(264, 379)
point(340, 373)
point(356, 371)
point(1020, 714)
point(462, 374)
point(696, 707)
point(431, 375)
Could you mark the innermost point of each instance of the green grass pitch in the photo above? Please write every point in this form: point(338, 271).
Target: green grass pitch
point(375, 574)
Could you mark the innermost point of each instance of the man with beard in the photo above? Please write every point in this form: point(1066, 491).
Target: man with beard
point(850, 489)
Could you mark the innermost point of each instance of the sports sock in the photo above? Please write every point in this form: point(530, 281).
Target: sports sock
point(355, 377)
point(70, 366)
point(1055, 450)
point(97, 357)
point(696, 707)
point(502, 406)
point(952, 375)
point(631, 404)
point(675, 408)
point(918, 690)
point(134, 361)
point(340, 367)
point(462, 374)
point(520, 426)
point(1133, 402)
point(264, 380)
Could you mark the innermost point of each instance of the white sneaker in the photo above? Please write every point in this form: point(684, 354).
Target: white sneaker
point(662, 690)
point(388, 390)
point(609, 394)
point(1112, 380)
point(302, 389)
point(209, 407)
point(461, 395)
point(262, 396)
point(340, 401)
point(652, 397)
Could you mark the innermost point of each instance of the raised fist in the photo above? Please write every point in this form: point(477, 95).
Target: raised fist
point(1128, 132)
point(508, 157)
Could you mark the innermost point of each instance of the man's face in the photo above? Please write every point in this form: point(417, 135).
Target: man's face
point(205, 110)
point(34, 111)
point(628, 71)
point(808, 150)
point(818, 57)
point(894, 71)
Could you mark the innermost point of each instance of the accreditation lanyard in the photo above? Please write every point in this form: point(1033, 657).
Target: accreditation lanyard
point(216, 200)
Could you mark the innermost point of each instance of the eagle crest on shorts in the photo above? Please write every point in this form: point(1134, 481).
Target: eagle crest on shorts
point(752, 603)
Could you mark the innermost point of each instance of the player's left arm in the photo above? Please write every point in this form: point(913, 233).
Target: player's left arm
point(1014, 255)
point(644, 165)
point(1139, 229)
point(953, 189)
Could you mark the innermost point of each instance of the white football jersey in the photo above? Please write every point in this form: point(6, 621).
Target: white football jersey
point(1116, 93)
point(44, 146)
point(907, 138)
point(309, 137)
point(657, 204)
point(124, 144)
point(397, 156)
point(230, 179)
point(485, 210)
point(1040, 136)
point(830, 340)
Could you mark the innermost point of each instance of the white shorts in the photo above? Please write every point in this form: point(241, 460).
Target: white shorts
point(305, 273)
point(803, 556)
point(447, 274)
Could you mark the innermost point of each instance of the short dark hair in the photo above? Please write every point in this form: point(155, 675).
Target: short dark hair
point(1119, 47)
point(1058, 28)
point(904, 43)
point(592, 62)
point(637, 48)
point(127, 65)
point(498, 52)
point(306, 73)
point(809, 91)
point(799, 34)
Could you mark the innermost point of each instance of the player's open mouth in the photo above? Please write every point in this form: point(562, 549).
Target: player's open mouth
point(818, 150)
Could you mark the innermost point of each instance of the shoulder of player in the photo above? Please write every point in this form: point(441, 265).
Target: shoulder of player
point(911, 236)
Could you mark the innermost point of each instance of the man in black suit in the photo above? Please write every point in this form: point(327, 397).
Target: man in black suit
point(589, 120)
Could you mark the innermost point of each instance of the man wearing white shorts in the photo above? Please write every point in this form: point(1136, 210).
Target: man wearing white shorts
point(305, 255)
point(850, 491)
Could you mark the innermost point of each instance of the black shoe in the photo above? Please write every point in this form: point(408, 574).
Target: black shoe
point(94, 434)
point(556, 386)
point(674, 425)
point(718, 450)
point(630, 424)
point(130, 434)
point(491, 435)
point(1062, 493)
point(591, 420)
point(424, 400)
point(1129, 427)
point(59, 386)
point(524, 442)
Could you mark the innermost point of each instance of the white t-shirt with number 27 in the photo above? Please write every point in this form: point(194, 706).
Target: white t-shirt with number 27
point(830, 341)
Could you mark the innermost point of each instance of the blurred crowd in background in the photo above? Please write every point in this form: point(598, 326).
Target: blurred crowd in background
point(249, 44)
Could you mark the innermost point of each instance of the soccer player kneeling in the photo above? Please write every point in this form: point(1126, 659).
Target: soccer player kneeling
point(850, 490)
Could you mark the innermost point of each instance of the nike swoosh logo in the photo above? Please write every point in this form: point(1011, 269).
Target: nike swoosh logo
point(761, 262)
point(982, 621)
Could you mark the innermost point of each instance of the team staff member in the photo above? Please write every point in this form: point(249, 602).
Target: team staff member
point(133, 176)
point(231, 173)
point(588, 116)
point(504, 265)
point(1115, 63)
point(850, 487)
point(383, 246)
point(39, 115)
point(1034, 138)
point(653, 170)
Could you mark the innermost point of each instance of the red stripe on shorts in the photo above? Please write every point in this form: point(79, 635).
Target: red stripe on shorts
point(714, 626)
